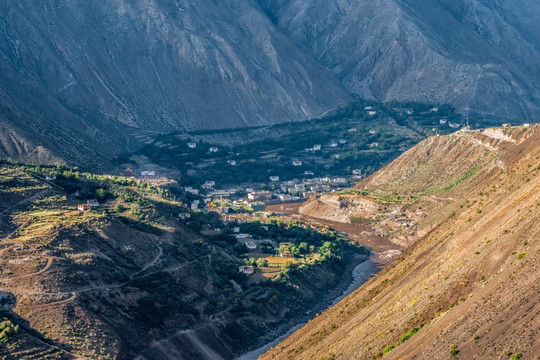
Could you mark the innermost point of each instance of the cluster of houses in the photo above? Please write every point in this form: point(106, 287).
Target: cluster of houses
point(318, 147)
point(285, 191)
point(92, 203)
point(404, 220)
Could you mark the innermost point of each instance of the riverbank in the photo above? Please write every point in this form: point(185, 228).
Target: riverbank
point(382, 252)
point(356, 276)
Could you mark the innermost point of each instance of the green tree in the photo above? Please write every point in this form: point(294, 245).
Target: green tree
point(287, 268)
point(262, 262)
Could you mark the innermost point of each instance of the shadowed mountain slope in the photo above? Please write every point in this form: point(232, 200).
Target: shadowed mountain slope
point(468, 52)
point(97, 71)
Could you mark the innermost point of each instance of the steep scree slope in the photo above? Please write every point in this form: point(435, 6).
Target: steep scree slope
point(468, 287)
point(95, 70)
point(480, 54)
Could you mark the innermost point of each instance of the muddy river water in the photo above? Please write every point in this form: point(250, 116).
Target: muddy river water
point(383, 251)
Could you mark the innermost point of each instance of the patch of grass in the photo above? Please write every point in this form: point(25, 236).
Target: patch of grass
point(522, 255)
point(516, 356)
point(7, 330)
point(409, 335)
point(453, 184)
point(388, 349)
point(413, 301)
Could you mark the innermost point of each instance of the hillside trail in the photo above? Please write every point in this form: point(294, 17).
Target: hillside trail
point(137, 274)
point(31, 198)
point(497, 160)
point(151, 263)
point(45, 268)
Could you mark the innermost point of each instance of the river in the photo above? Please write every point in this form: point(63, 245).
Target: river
point(382, 252)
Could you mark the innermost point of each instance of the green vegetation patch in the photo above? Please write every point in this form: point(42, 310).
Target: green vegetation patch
point(453, 184)
point(7, 330)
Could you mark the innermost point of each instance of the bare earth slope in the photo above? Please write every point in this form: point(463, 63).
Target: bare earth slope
point(472, 53)
point(469, 286)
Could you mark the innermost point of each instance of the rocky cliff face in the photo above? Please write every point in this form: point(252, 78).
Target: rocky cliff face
point(106, 67)
point(469, 52)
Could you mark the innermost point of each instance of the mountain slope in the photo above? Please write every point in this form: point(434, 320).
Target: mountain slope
point(469, 286)
point(468, 52)
point(99, 69)
point(131, 279)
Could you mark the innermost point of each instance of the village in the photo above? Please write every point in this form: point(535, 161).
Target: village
point(270, 244)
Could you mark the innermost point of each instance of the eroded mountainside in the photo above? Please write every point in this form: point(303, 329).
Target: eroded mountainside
point(85, 80)
point(480, 54)
point(96, 70)
point(468, 284)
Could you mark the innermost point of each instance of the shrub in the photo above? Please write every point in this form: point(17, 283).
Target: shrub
point(388, 349)
point(262, 262)
point(453, 350)
point(7, 330)
point(409, 335)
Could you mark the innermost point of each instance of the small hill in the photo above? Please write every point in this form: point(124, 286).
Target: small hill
point(467, 287)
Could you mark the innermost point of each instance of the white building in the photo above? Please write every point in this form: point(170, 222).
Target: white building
point(92, 203)
point(371, 113)
point(333, 144)
point(250, 245)
point(342, 141)
point(50, 177)
point(192, 145)
point(83, 207)
point(184, 215)
point(352, 130)
point(148, 173)
point(231, 162)
point(213, 149)
point(368, 108)
point(316, 147)
point(309, 172)
point(284, 197)
point(297, 163)
point(274, 178)
point(195, 205)
point(373, 145)
point(242, 236)
point(248, 270)
point(259, 196)
point(191, 190)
